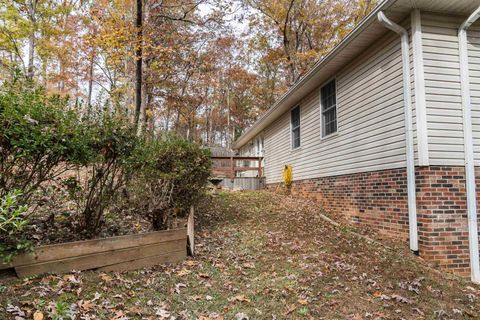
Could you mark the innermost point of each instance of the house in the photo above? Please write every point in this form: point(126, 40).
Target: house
point(385, 129)
point(234, 172)
point(254, 148)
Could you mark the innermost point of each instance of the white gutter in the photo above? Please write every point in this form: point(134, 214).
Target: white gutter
point(412, 197)
point(468, 146)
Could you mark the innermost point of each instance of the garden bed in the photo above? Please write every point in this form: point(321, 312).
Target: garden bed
point(120, 253)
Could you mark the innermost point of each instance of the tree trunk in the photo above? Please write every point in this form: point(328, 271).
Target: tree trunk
point(31, 54)
point(229, 140)
point(31, 40)
point(286, 44)
point(208, 126)
point(177, 122)
point(159, 219)
point(142, 124)
point(61, 71)
point(149, 118)
point(90, 83)
point(138, 58)
point(44, 73)
point(167, 120)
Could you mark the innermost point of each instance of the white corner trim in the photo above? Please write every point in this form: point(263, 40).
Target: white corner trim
point(420, 99)
point(469, 147)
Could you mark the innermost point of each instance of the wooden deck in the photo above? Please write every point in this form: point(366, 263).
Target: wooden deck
point(228, 167)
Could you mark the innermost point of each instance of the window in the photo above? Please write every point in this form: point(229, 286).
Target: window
point(328, 99)
point(295, 119)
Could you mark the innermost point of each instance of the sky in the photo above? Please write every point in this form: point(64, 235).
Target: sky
point(237, 26)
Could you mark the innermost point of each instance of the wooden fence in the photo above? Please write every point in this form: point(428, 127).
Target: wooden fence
point(110, 254)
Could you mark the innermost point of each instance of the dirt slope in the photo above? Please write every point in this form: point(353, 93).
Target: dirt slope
point(261, 255)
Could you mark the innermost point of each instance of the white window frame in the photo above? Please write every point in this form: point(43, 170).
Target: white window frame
point(299, 127)
point(323, 134)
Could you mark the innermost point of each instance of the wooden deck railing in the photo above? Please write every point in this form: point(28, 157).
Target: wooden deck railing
point(227, 166)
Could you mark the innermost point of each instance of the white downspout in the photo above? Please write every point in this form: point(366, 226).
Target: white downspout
point(412, 197)
point(468, 147)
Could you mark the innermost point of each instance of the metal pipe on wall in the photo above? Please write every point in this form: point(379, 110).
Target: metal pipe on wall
point(468, 146)
point(411, 187)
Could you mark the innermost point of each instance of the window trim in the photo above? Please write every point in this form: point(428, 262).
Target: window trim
point(292, 148)
point(322, 132)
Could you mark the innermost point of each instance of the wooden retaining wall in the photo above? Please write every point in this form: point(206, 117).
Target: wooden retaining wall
point(109, 254)
point(121, 253)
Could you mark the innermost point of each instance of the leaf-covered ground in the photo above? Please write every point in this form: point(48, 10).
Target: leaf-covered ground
point(259, 256)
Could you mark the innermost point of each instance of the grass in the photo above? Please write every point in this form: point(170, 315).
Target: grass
point(264, 255)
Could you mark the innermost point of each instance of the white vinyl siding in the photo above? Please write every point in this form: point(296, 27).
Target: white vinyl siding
point(370, 109)
point(247, 150)
point(370, 122)
point(442, 80)
point(254, 148)
point(442, 88)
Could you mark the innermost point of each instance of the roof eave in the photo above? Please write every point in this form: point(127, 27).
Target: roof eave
point(266, 118)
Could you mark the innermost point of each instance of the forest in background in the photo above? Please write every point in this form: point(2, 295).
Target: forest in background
point(203, 69)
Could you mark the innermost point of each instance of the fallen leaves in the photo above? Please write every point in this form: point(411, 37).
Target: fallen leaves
point(38, 315)
point(239, 298)
point(289, 309)
point(179, 286)
point(241, 316)
point(15, 310)
point(119, 315)
point(72, 278)
point(401, 299)
point(262, 256)
point(86, 305)
point(106, 278)
point(191, 263)
point(212, 316)
point(162, 313)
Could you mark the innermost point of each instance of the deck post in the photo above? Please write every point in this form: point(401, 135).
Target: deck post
point(191, 231)
point(259, 167)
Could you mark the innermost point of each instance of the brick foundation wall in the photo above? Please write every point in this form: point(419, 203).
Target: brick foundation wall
point(442, 217)
point(379, 200)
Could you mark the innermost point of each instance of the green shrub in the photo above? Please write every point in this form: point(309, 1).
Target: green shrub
point(12, 223)
point(99, 159)
point(170, 176)
point(39, 138)
point(97, 186)
point(190, 166)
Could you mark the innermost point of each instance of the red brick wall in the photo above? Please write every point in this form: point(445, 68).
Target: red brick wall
point(442, 217)
point(379, 199)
